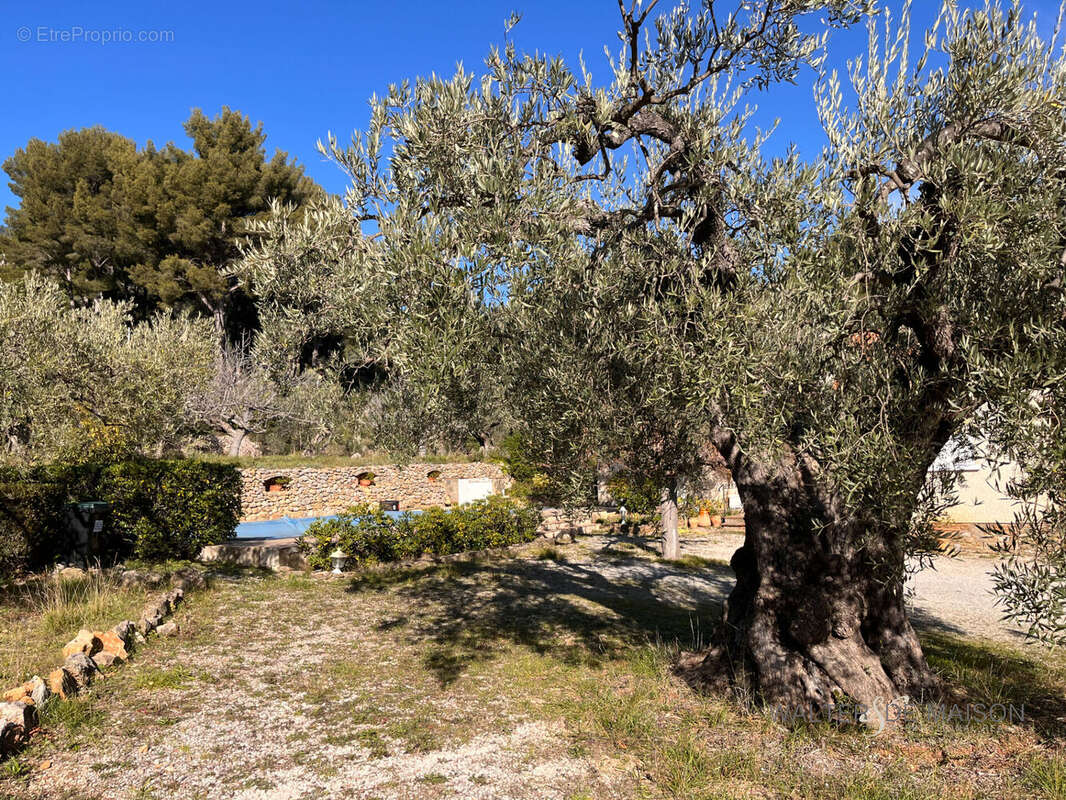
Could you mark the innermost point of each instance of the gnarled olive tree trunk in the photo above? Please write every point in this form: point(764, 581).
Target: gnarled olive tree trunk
point(817, 612)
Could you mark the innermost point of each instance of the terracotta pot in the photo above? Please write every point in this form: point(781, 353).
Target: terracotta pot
point(704, 520)
point(717, 520)
point(365, 482)
point(274, 487)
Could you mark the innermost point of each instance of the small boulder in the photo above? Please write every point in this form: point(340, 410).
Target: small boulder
point(131, 578)
point(169, 629)
point(82, 668)
point(104, 659)
point(85, 642)
point(111, 643)
point(188, 578)
point(18, 694)
point(62, 683)
point(40, 691)
point(22, 714)
point(124, 630)
point(148, 623)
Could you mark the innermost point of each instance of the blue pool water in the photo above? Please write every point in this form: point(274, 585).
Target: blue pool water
point(287, 527)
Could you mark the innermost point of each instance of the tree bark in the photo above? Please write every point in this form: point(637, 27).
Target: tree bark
point(236, 439)
point(668, 515)
point(817, 612)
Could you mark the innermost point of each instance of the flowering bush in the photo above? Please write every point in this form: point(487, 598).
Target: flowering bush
point(368, 535)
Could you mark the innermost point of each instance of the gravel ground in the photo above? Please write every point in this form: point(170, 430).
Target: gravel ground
point(420, 686)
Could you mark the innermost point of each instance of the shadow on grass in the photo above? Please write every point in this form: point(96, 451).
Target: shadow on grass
point(467, 611)
point(984, 672)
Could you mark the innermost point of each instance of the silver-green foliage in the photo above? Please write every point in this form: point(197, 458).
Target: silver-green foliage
point(622, 271)
point(85, 382)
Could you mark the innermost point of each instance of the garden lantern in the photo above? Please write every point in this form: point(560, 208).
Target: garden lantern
point(339, 559)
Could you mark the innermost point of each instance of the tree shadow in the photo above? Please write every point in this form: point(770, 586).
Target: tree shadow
point(1030, 686)
point(579, 613)
point(467, 611)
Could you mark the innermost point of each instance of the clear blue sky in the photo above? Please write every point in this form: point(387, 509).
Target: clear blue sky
point(302, 68)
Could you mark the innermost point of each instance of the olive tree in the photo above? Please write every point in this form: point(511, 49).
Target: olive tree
point(637, 278)
point(86, 382)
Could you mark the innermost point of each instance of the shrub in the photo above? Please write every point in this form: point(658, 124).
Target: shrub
point(31, 523)
point(529, 481)
point(158, 509)
point(171, 509)
point(637, 493)
point(370, 536)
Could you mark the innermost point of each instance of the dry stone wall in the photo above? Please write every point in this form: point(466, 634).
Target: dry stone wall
point(317, 491)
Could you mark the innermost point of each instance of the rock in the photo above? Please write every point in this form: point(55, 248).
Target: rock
point(85, 642)
point(40, 691)
point(188, 578)
point(62, 683)
point(111, 643)
point(176, 596)
point(145, 625)
point(19, 693)
point(104, 659)
point(82, 668)
point(169, 629)
point(164, 606)
point(22, 714)
point(124, 631)
point(11, 737)
point(154, 580)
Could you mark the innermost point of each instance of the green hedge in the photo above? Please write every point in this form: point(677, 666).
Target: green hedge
point(158, 509)
point(368, 535)
point(32, 524)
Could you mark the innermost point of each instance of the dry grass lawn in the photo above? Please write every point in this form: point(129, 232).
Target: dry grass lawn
point(545, 673)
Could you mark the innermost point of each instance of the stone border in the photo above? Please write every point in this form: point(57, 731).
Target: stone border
point(88, 653)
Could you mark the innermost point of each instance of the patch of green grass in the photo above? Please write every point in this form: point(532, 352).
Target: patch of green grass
point(144, 792)
point(694, 562)
point(76, 716)
point(366, 460)
point(417, 735)
point(548, 554)
point(372, 741)
point(1031, 681)
point(684, 766)
point(151, 677)
point(14, 768)
point(433, 779)
point(1046, 777)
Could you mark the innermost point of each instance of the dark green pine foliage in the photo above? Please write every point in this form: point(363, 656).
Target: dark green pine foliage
point(158, 227)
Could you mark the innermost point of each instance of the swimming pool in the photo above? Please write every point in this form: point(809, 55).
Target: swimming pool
point(288, 527)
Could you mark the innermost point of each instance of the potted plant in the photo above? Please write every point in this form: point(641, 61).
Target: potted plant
point(712, 511)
